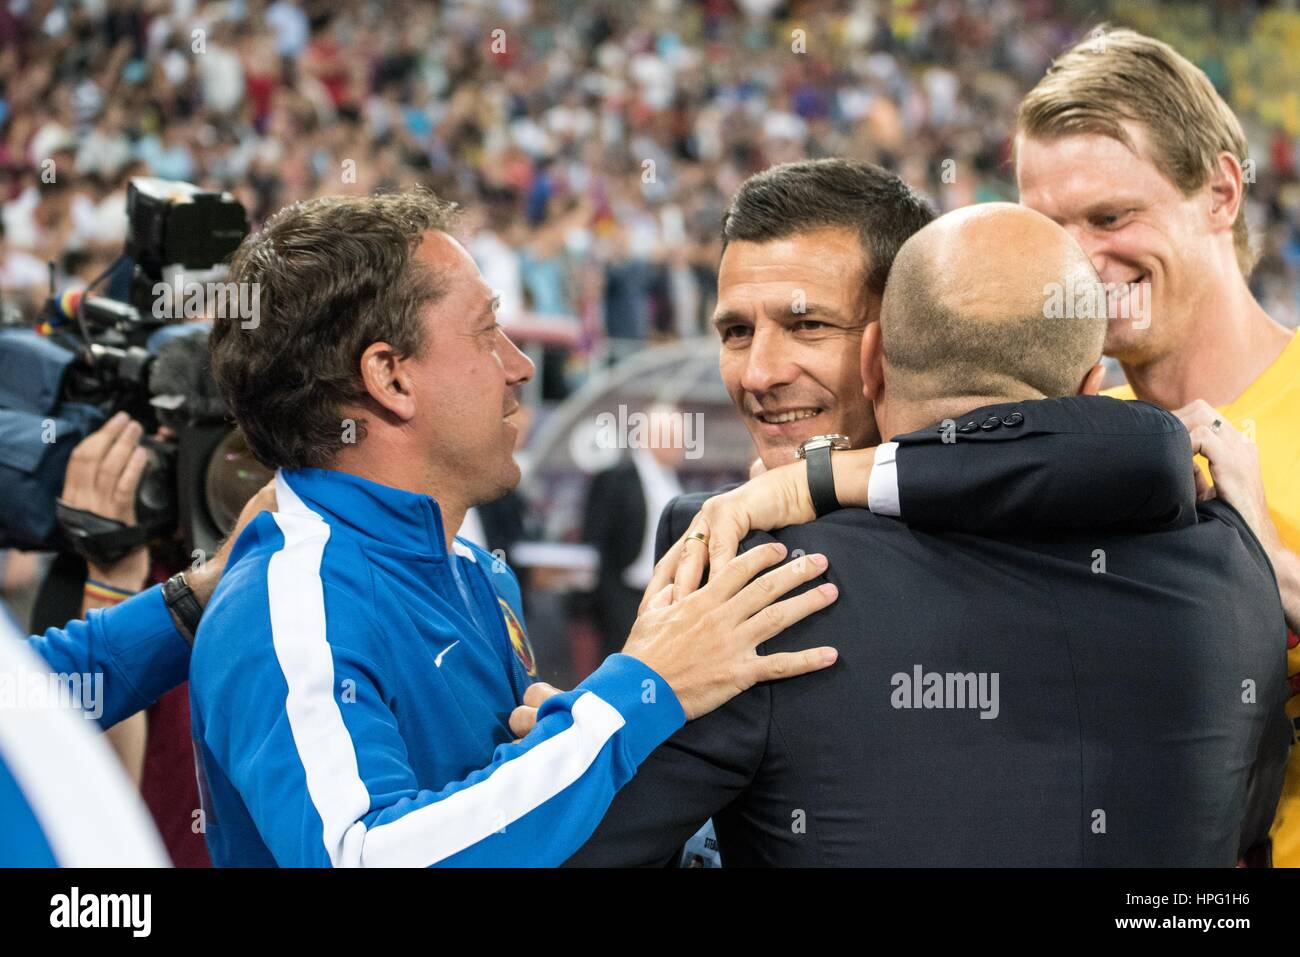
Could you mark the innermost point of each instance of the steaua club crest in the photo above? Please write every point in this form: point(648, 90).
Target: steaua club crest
point(519, 640)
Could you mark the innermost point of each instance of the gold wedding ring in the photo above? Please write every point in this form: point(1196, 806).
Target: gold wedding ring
point(698, 537)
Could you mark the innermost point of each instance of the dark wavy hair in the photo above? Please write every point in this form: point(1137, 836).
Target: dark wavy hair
point(333, 276)
point(799, 197)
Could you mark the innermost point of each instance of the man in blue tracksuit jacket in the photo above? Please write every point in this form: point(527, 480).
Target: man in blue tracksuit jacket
point(354, 675)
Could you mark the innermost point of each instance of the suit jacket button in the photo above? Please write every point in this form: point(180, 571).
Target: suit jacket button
point(967, 427)
point(991, 423)
point(1012, 420)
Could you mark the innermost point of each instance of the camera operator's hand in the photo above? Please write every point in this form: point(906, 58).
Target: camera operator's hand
point(204, 581)
point(103, 475)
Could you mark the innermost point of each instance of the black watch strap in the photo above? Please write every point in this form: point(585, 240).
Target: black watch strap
point(180, 599)
point(821, 480)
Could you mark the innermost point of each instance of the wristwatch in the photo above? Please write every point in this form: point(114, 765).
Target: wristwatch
point(816, 451)
point(179, 597)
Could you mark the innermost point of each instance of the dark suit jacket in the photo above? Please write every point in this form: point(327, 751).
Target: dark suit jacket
point(1138, 699)
point(614, 521)
point(505, 522)
point(1079, 462)
point(614, 516)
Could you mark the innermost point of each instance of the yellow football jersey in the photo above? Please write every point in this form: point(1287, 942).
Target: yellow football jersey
point(1269, 412)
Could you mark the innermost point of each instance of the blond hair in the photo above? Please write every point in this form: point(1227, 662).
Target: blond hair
point(1120, 75)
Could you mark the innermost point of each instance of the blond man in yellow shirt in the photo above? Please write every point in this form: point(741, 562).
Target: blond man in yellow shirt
point(1128, 146)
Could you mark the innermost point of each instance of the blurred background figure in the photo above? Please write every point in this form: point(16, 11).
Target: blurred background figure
point(622, 514)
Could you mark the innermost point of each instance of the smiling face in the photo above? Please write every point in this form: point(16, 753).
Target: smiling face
point(790, 317)
point(464, 380)
point(1135, 225)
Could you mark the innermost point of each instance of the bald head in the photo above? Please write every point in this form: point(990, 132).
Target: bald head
point(993, 302)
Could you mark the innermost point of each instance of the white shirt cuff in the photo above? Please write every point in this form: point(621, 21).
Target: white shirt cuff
point(882, 487)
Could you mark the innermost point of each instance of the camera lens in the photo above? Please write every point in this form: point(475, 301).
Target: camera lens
point(233, 476)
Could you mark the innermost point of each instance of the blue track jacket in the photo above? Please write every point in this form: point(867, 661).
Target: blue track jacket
point(351, 686)
point(133, 648)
